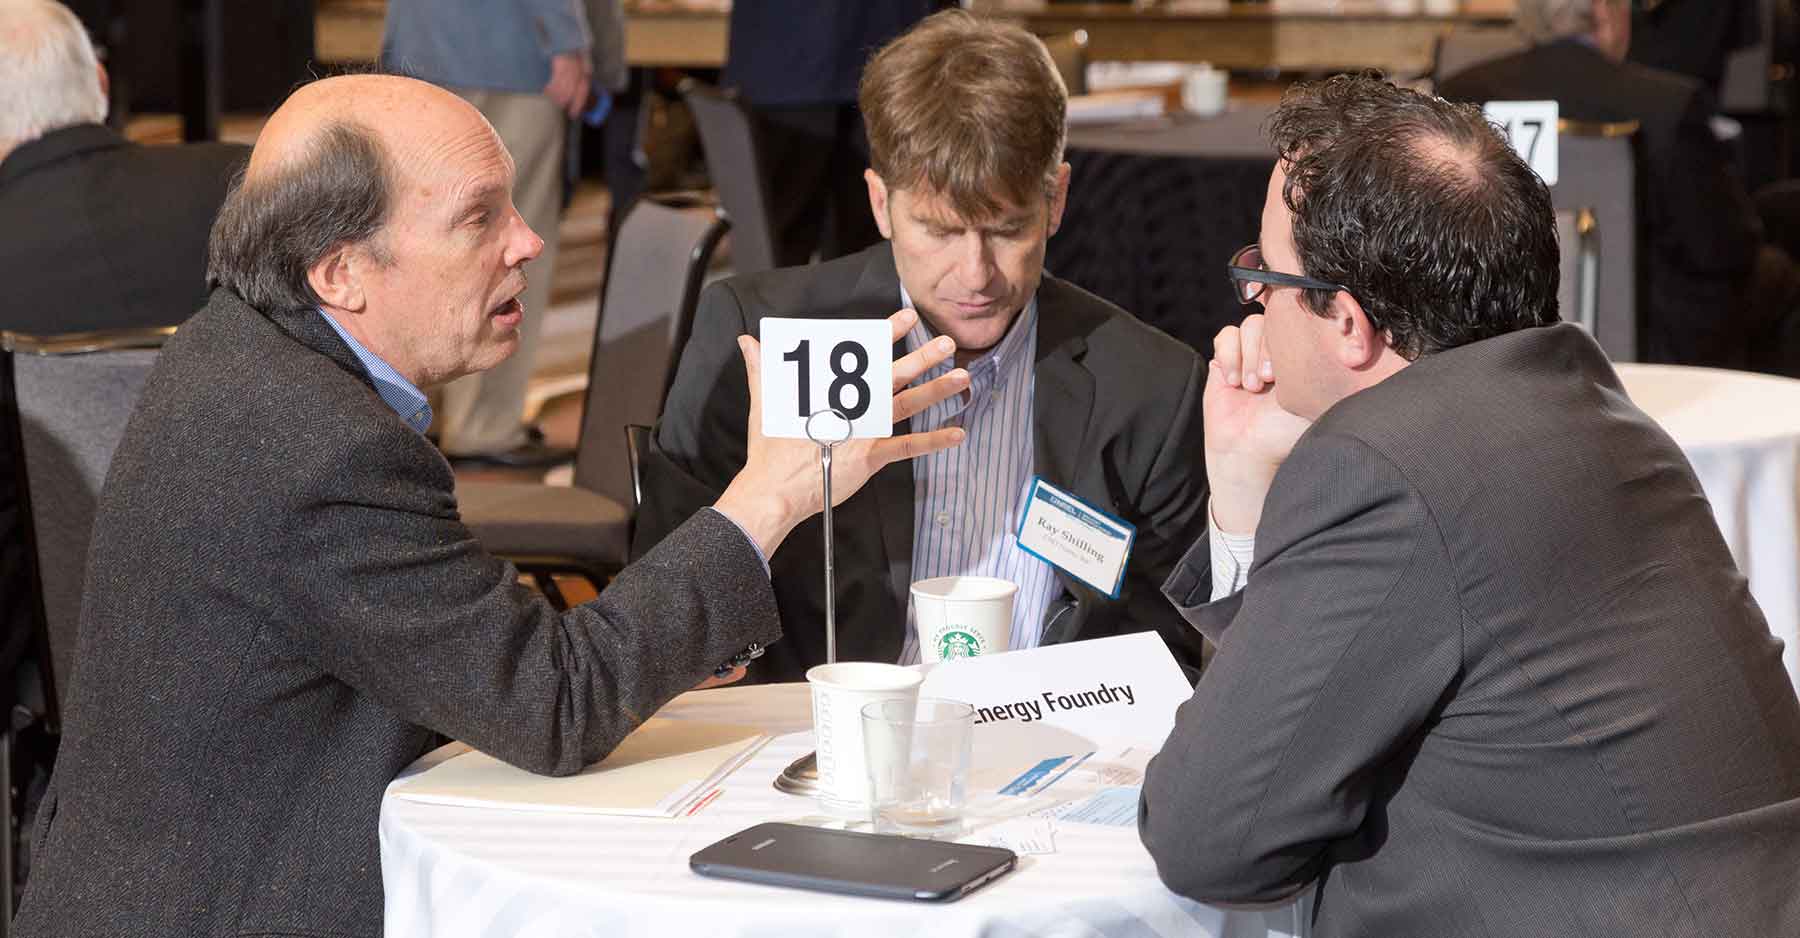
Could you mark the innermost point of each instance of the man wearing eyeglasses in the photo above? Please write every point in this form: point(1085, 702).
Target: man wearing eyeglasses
point(1485, 666)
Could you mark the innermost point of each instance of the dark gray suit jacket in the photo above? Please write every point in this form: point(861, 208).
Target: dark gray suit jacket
point(1117, 422)
point(1494, 674)
point(282, 606)
point(101, 233)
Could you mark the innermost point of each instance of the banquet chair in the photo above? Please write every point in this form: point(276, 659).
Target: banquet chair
point(1595, 198)
point(658, 261)
point(66, 402)
point(1469, 46)
point(734, 161)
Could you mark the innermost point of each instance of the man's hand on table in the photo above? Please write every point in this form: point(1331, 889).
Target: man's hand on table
point(779, 486)
point(1248, 435)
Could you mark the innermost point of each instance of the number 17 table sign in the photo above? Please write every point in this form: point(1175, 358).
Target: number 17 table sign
point(809, 365)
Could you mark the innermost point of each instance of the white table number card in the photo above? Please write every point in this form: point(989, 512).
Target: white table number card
point(1075, 537)
point(809, 365)
point(1531, 128)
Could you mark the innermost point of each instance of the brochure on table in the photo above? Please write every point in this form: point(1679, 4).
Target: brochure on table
point(661, 770)
point(1062, 732)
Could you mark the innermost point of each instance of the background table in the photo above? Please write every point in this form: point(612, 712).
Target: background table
point(1156, 210)
point(1742, 433)
point(451, 871)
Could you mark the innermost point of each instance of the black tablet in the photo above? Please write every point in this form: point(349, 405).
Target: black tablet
point(883, 865)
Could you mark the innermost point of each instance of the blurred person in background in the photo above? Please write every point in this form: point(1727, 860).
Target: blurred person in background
point(1719, 294)
point(96, 232)
point(530, 67)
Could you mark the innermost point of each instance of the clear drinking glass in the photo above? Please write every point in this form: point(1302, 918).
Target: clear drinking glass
point(918, 757)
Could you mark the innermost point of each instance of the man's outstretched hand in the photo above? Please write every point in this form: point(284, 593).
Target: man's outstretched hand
point(780, 484)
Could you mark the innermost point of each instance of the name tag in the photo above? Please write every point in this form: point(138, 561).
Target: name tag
point(1075, 537)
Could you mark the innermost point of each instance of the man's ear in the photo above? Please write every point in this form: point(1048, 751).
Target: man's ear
point(878, 203)
point(1360, 344)
point(1059, 199)
point(337, 279)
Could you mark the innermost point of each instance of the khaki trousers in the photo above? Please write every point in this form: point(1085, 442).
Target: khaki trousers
point(484, 412)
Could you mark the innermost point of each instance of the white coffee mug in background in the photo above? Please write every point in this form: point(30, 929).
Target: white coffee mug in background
point(839, 692)
point(1203, 90)
point(963, 616)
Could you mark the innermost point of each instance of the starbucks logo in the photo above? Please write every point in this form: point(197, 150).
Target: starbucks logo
point(955, 643)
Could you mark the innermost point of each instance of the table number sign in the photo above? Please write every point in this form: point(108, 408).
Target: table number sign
point(1531, 129)
point(809, 365)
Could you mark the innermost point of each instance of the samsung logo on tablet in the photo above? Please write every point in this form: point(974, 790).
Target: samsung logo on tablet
point(944, 865)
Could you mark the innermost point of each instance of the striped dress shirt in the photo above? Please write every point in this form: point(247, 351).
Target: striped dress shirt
point(967, 500)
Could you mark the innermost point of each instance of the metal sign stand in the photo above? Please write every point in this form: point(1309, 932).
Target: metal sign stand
point(802, 777)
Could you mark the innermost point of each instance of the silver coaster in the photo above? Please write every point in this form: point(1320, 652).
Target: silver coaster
point(800, 778)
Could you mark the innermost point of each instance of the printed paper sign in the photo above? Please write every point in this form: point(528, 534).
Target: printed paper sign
point(1075, 537)
point(813, 365)
point(1114, 691)
point(1531, 129)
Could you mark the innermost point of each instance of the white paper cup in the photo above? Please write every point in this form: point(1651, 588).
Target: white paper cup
point(963, 616)
point(839, 692)
point(1203, 90)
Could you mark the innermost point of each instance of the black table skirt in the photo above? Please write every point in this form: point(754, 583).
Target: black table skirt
point(1152, 233)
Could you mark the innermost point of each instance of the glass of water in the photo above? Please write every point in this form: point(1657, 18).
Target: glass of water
point(918, 755)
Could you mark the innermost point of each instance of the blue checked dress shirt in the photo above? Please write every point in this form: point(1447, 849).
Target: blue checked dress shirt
point(967, 500)
point(400, 394)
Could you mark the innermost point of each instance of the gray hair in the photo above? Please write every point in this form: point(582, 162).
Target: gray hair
point(272, 230)
point(49, 75)
point(1547, 20)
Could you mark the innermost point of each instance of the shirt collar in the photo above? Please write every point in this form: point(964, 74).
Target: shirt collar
point(397, 392)
point(990, 372)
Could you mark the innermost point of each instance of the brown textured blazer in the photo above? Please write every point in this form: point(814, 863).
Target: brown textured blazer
point(1494, 674)
point(282, 606)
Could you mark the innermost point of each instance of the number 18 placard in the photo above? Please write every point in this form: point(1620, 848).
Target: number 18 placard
point(809, 365)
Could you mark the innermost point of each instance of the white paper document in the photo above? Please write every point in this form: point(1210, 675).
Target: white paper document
point(1110, 691)
point(663, 769)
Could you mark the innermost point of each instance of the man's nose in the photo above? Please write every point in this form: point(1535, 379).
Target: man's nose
point(974, 262)
point(522, 244)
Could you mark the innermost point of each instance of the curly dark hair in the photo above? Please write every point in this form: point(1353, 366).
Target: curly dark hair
point(1418, 207)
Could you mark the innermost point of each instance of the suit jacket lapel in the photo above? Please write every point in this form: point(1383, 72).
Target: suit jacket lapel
point(878, 291)
point(1063, 397)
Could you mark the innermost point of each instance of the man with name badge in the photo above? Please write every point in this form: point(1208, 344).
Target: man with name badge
point(1485, 665)
point(1080, 418)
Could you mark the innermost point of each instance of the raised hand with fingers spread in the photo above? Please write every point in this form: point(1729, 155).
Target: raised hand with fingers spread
point(780, 486)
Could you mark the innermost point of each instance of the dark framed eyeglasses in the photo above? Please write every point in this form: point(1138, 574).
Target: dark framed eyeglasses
point(1250, 276)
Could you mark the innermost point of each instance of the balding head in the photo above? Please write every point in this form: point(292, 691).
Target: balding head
point(49, 76)
point(362, 199)
point(323, 176)
point(1419, 208)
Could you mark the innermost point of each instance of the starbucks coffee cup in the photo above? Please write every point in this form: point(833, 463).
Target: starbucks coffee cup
point(963, 616)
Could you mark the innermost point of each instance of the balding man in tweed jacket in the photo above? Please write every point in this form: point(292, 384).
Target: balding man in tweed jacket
point(283, 604)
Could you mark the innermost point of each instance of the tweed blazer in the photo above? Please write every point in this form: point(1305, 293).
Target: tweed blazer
point(1116, 420)
point(1494, 674)
point(282, 607)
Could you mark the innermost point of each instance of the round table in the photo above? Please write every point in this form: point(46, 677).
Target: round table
point(466, 871)
point(1741, 432)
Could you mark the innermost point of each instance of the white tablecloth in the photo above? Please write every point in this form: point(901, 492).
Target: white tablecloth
point(1742, 433)
point(450, 871)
